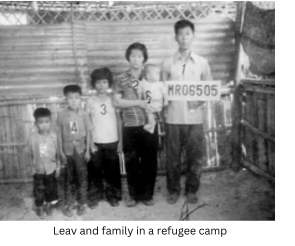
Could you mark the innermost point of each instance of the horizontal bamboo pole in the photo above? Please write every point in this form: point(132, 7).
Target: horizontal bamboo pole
point(13, 144)
point(119, 24)
point(219, 129)
point(257, 131)
point(256, 170)
point(16, 181)
point(259, 82)
point(163, 29)
point(265, 90)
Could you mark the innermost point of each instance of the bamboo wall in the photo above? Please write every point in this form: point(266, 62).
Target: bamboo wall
point(257, 131)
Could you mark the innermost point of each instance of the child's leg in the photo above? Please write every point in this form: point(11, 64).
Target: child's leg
point(81, 168)
point(51, 195)
point(69, 186)
point(150, 126)
point(96, 192)
point(112, 175)
point(39, 190)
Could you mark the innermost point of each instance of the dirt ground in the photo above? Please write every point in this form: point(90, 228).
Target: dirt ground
point(226, 196)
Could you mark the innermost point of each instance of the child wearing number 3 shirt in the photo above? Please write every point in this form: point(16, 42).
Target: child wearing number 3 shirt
point(105, 137)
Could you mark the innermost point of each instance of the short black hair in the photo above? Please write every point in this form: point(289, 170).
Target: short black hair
point(137, 46)
point(182, 24)
point(101, 73)
point(41, 112)
point(73, 89)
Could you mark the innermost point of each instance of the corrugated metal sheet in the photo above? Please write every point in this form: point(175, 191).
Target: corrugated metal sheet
point(39, 59)
point(107, 42)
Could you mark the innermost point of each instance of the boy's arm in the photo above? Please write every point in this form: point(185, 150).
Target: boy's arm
point(88, 139)
point(120, 134)
point(58, 159)
point(61, 153)
point(89, 127)
point(29, 150)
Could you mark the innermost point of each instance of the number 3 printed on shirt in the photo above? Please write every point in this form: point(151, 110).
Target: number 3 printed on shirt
point(103, 109)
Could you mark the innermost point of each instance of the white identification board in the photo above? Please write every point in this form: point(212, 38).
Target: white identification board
point(193, 90)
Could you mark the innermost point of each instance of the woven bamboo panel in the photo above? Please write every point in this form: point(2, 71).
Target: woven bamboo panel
point(52, 12)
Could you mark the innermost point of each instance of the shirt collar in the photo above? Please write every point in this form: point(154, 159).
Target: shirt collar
point(69, 111)
point(131, 76)
point(177, 56)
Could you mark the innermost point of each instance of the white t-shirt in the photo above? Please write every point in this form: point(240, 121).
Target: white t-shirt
point(104, 120)
point(155, 93)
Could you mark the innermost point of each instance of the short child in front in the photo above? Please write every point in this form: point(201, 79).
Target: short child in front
point(44, 160)
point(74, 128)
point(105, 137)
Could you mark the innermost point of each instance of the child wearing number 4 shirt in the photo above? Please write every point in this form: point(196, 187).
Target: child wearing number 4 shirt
point(74, 128)
point(105, 137)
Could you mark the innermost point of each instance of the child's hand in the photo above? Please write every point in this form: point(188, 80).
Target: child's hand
point(120, 147)
point(57, 172)
point(143, 104)
point(64, 158)
point(33, 171)
point(87, 156)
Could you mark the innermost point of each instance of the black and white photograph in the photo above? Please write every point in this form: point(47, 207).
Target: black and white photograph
point(137, 111)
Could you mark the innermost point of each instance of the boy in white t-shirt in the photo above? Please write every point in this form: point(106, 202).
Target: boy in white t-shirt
point(105, 137)
point(153, 89)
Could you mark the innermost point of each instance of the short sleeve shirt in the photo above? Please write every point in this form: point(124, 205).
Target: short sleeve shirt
point(73, 127)
point(175, 69)
point(127, 86)
point(43, 150)
point(104, 120)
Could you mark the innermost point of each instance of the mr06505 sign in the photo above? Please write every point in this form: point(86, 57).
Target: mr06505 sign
point(193, 90)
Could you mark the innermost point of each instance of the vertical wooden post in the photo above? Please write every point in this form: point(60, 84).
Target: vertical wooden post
point(238, 29)
point(236, 140)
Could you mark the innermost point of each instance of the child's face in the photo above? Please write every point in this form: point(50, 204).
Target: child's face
point(101, 86)
point(43, 124)
point(73, 99)
point(185, 38)
point(136, 59)
point(153, 75)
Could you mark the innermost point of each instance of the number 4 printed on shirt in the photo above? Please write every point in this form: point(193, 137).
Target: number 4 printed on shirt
point(74, 127)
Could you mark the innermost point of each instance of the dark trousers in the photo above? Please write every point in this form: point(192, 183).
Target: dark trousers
point(45, 188)
point(75, 179)
point(140, 150)
point(189, 138)
point(105, 166)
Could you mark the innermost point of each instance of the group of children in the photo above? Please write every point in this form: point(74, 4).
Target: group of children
point(96, 133)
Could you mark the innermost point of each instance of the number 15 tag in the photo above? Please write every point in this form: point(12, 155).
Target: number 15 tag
point(43, 150)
